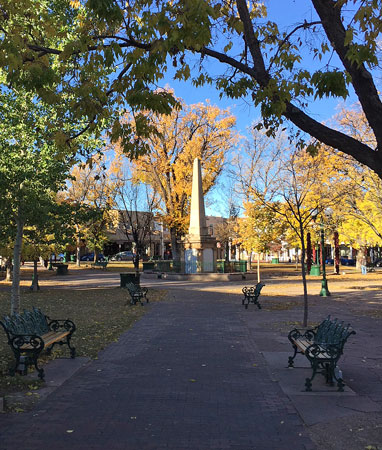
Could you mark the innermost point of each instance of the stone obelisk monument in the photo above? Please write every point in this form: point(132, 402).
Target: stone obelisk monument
point(199, 248)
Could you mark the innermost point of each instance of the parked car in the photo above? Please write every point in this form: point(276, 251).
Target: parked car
point(347, 261)
point(90, 257)
point(60, 257)
point(344, 261)
point(123, 256)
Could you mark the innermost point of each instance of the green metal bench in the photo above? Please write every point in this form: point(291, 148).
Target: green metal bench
point(323, 347)
point(32, 332)
point(251, 295)
point(137, 293)
point(102, 264)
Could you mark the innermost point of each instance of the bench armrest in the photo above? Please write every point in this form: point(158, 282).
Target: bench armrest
point(58, 324)
point(19, 340)
point(330, 351)
point(297, 333)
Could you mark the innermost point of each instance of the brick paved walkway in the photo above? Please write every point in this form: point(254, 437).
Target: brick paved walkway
point(186, 376)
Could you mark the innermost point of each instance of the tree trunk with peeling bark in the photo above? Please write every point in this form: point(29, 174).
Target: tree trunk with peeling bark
point(303, 273)
point(78, 249)
point(174, 245)
point(15, 290)
point(35, 286)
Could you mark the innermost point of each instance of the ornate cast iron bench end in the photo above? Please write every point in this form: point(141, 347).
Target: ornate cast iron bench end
point(323, 347)
point(32, 332)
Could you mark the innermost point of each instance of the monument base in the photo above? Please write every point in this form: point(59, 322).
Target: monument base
point(200, 277)
point(199, 254)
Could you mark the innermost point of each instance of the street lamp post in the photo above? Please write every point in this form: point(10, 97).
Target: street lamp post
point(324, 283)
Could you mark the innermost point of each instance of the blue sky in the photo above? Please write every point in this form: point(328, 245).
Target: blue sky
point(287, 13)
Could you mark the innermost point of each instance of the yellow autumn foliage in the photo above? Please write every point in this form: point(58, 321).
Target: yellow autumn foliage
point(199, 131)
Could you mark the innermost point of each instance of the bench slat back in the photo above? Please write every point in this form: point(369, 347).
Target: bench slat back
point(132, 288)
point(253, 291)
point(332, 332)
point(29, 323)
point(258, 288)
point(322, 329)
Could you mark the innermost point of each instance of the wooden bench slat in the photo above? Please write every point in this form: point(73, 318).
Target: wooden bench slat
point(48, 338)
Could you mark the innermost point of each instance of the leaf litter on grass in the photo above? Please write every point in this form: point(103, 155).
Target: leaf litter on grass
point(100, 316)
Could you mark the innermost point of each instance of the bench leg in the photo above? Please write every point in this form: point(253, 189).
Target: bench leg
point(291, 358)
point(134, 299)
point(40, 371)
point(308, 381)
point(256, 302)
point(13, 370)
point(60, 343)
point(340, 385)
point(329, 374)
point(340, 381)
point(71, 348)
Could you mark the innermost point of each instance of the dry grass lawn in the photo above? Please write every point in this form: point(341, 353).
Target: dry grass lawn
point(100, 315)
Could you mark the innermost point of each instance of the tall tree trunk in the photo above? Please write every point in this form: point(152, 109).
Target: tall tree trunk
point(336, 254)
point(161, 241)
point(136, 262)
point(303, 273)
point(309, 252)
point(227, 251)
point(15, 291)
point(258, 267)
point(35, 286)
point(78, 249)
point(174, 249)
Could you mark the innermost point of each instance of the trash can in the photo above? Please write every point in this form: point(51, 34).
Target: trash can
point(275, 260)
point(243, 265)
point(129, 278)
point(72, 258)
point(164, 266)
point(149, 265)
point(315, 271)
point(220, 266)
point(62, 269)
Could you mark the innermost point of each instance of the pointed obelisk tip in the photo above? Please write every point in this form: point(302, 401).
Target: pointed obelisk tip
point(198, 225)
